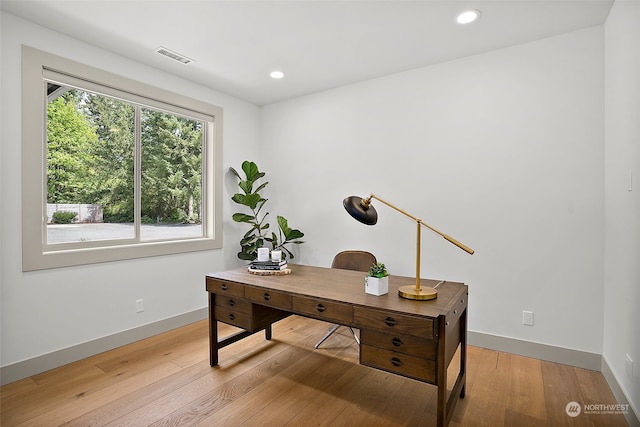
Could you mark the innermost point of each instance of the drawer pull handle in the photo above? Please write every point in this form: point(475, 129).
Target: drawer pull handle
point(232, 316)
point(232, 303)
point(396, 362)
point(266, 296)
point(223, 287)
point(321, 308)
point(390, 321)
point(397, 342)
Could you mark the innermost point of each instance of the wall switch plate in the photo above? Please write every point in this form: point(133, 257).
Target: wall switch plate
point(527, 318)
point(139, 305)
point(628, 366)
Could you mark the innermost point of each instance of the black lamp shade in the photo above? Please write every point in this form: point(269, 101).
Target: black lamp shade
point(366, 215)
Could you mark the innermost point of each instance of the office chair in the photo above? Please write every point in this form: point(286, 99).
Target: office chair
point(350, 260)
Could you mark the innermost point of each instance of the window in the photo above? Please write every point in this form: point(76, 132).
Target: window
point(112, 168)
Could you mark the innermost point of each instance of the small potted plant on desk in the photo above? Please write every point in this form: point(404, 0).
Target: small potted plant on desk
point(377, 281)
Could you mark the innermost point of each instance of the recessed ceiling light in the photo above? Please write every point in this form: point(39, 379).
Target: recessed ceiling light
point(468, 16)
point(277, 74)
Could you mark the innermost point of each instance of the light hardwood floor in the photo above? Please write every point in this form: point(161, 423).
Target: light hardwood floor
point(166, 380)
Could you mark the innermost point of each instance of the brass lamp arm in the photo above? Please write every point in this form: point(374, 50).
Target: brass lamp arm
point(361, 210)
point(367, 201)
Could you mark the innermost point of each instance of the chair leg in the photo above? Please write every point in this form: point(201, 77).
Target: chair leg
point(355, 337)
point(332, 330)
point(329, 332)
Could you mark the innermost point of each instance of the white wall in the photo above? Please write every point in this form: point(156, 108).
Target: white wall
point(503, 151)
point(44, 311)
point(622, 209)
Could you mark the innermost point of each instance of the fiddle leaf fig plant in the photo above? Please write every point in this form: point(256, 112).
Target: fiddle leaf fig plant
point(258, 232)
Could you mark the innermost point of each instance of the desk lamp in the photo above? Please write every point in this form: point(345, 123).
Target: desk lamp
point(362, 210)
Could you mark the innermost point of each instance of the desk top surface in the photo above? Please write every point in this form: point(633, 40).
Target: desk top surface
point(348, 287)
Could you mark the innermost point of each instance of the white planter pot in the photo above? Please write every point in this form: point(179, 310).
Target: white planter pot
point(376, 286)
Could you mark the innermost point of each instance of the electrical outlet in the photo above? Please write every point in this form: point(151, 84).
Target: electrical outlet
point(628, 365)
point(139, 305)
point(527, 318)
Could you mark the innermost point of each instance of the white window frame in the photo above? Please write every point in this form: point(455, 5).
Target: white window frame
point(36, 254)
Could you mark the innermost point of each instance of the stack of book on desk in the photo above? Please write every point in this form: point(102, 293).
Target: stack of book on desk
point(268, 265)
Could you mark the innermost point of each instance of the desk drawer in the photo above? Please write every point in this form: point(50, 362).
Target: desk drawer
point(257, 318)
point(267, 297)
point(407, 344)
point(393, 322)
point(399, 363)
point(323, 310)
point(233, 303)
point(234, 317)
point(225, 288)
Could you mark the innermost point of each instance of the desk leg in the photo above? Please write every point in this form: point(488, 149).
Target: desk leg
point(463, 352)
point(441, 367)
point(213, 331)
point(446, 405)
point(267, 332)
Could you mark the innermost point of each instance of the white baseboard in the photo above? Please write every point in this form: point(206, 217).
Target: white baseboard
point(632, 416)
point(36, 365)
point(565, 356)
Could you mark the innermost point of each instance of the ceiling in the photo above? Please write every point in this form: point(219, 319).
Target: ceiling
point(317, 44)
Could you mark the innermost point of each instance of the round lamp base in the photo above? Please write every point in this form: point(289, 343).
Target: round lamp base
point(424, 294)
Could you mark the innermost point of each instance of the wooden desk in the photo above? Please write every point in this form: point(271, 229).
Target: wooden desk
point(415, 339)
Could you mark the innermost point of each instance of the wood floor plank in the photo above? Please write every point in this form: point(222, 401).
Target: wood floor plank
point(83, 378)
point(166, 380)
point(20, 388)
point(474, 355)
point(514, 418)
point(407, 402)
point(325, 407)
point(68, 386)
point(361, 395)
point(286, 393)
point(46, 398)
point(526, 391)
point(561, 388)
point(193, 403)
point(156, 351)
point(212, 400)
point(72, 408)
point(213, 388)
point(599, 400)
point(390, 400)
point(488, 395)
point(115, 410)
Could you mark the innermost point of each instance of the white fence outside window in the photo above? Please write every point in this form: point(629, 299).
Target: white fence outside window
point(85, 212)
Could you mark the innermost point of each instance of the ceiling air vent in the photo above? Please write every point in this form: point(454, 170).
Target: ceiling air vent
point(173, 55)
